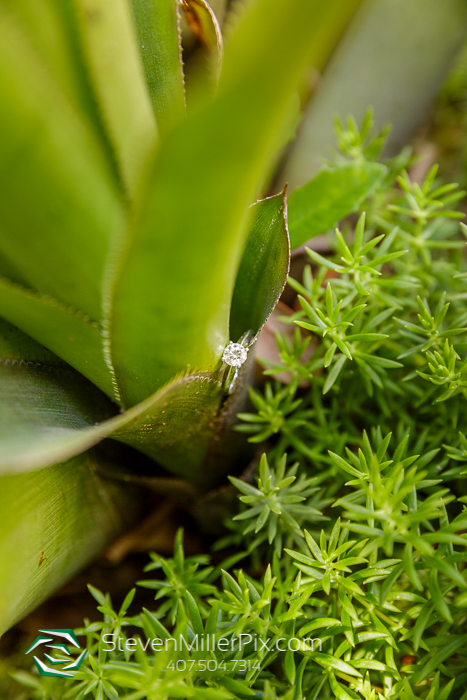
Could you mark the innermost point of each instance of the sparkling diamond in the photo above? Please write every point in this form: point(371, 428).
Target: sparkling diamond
point(234, 355)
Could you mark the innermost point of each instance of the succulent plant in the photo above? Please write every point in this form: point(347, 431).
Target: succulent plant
point(132, 252)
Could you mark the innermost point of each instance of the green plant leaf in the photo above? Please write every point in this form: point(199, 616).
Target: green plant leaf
point(53, 523)
point(327, 198)
point(60, 328)
point(438, 657)
point(330, 662)
point(203, 22)
point(334, 373)
point(54, 178)
point(115, 66)
point(157, 30)
point(263, 270)
point(49, 414)
point(191, 232)
point(189, 406)
point(15, 345)
point(339, 692)
point(50, 27)
point(447, 569)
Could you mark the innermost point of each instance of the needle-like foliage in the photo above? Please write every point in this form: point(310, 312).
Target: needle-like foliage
point(371, 446)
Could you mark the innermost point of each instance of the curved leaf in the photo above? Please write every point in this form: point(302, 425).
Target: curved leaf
point(332, 194)
point(263, 270)
point(60, 328)
point(339, 692)
point(175, 425)
point(53, 523)
point(116, 70)
point(192, 229)
point(15, 345)
point(49, 414)
point(46, 414)
point(157, 29)
point(203, 23)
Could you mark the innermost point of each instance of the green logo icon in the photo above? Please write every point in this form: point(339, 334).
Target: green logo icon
point(56, 641)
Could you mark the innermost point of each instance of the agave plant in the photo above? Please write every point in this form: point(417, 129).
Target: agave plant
point(132, 252)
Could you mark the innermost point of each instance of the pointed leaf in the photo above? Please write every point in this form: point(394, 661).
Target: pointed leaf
point(439, 657)
point(334, 373)
point(339, 692)
point(263, 270)
point(156, 24)
point(203, 22)
point(192, 230)
point(330, 662)
point(49, 414)
point(320, 204)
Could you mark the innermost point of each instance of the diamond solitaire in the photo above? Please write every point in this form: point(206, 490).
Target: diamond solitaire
point(234, 355)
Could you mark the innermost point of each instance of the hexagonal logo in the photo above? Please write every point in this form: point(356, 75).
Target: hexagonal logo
point(59, 655)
